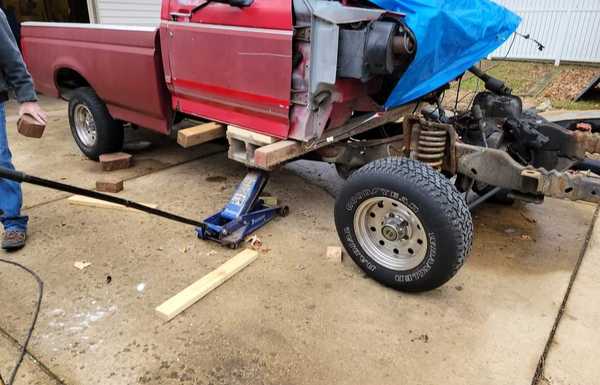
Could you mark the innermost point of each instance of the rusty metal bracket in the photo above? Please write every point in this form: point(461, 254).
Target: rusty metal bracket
point(571, 185)
point(359, 125)
point(587, 142)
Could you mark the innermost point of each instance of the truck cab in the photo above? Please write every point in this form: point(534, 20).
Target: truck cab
point(231, 63)
point(289, 69)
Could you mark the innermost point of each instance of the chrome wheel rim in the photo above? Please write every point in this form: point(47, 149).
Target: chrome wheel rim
point(85, 126)
point(390, 233)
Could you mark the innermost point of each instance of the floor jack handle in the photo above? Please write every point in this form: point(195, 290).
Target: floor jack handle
point(21, 177)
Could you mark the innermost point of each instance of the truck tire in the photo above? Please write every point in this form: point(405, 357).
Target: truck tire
point(93, 129)
point(404, 224)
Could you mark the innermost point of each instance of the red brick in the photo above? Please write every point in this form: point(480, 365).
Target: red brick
point(29, 127)
point(115, 161)
point(109, 185)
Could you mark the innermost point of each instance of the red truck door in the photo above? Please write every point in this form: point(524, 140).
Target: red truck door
point(231, 64)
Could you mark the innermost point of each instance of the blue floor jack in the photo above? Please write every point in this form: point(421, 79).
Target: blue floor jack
point(244, 214)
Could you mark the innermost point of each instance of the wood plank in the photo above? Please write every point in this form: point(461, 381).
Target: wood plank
point(274, 154)
point(200, 134)
point(186, 298)
point(91, 202)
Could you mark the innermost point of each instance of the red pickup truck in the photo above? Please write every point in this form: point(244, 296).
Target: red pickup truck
point(309, 78)
point(245, 63)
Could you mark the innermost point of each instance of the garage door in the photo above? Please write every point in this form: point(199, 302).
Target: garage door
point(138, 12)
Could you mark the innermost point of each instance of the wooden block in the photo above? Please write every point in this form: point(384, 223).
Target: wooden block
point(115, 161)
point(250, 136)
point(91, 202)
point(109, 185)
point(200, 134)
point(334, 254)
point(274, 154)
point(270, 201)
point(186, 298)
point(82, 264)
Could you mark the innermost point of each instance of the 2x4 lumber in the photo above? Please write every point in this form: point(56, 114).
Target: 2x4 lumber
point(193, 293)
point(91, 202)
point(203, 133)
point(267, 157)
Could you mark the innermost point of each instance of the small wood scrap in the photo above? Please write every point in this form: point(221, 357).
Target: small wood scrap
point(530, 220)
point(526, 237)
point(270, 201)
point(254, 242)
point(91, 202)
point(109, 185)
point(203, 133)
point(193, 293)
point(115, 161)
point(82, 264)
point(334, 254)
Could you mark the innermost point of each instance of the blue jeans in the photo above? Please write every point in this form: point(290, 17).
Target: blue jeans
point(11, 197)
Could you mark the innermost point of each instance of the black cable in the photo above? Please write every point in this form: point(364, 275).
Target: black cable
point(38, 305)
point(540, 46)
point(512, 43)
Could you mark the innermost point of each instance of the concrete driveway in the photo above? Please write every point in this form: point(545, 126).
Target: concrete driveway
point(292, 317)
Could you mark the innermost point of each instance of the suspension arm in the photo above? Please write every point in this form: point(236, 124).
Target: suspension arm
point(497, 168)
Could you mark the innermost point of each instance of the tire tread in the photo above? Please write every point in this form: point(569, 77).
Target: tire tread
point(434, 185)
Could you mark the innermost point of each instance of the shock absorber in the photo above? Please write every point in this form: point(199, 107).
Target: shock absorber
point(431, 145)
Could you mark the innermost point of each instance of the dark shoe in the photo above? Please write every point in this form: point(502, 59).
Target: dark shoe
point(14, 240)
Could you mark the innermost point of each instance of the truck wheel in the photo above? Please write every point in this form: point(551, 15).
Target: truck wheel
point(93, 129)
point(404, 224)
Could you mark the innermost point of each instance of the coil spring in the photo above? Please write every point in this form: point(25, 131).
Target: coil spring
point(431, 147)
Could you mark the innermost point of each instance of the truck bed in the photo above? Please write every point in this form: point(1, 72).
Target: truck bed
point(122, 64)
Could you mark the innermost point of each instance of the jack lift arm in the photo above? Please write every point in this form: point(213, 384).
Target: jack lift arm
point(244, 214)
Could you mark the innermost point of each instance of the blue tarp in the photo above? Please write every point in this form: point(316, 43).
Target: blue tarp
point(452, 35)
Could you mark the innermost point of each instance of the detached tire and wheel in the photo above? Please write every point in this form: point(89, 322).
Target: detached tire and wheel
point(93, 129)
point(404, 224)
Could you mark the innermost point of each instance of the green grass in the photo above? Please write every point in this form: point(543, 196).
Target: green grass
point(523, 78)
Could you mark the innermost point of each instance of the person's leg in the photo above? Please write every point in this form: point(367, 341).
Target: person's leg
point(11, 197)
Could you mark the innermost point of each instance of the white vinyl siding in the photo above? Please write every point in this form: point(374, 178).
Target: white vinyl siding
point(128, 12)
point(570, 30)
